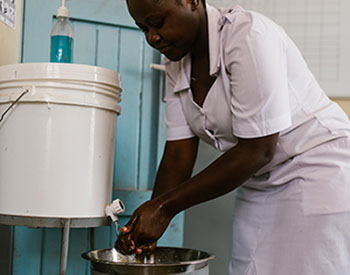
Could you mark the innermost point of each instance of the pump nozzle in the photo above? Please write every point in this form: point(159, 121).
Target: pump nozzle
point(62, 11)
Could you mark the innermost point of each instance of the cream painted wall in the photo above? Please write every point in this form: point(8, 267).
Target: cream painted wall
point(344, 103)
point(10, 40)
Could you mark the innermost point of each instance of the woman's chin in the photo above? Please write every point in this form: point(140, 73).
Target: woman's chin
point(173, 55)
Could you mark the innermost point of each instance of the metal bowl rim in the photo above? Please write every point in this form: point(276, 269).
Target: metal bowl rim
point(194, 262)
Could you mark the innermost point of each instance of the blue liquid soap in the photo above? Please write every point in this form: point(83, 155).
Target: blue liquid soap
point(61, 49)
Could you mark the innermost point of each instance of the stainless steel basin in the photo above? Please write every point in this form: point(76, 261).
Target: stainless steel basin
point(163, 261)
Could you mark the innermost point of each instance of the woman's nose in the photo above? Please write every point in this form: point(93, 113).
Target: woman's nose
point(153, 37)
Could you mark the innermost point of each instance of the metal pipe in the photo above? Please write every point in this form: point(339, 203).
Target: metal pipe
point(64, 246)
point(160, 67)
point(92, 238)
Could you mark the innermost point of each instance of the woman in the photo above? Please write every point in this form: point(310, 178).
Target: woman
point(236, 81)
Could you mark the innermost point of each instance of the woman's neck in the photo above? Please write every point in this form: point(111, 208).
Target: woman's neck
point(201, 47)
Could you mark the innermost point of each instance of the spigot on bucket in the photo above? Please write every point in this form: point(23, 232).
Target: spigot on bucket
point(114, 209)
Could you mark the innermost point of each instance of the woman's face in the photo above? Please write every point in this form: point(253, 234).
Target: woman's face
point(169, 27)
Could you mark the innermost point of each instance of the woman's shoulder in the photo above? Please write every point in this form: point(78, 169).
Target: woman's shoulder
point(245, 29)
point(242, 23)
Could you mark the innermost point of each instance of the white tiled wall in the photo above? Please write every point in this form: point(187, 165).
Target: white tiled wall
point(221, 3)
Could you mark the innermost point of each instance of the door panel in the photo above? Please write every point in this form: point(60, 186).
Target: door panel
point(27, 246)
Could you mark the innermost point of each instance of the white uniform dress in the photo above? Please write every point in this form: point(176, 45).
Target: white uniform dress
point(293, 216)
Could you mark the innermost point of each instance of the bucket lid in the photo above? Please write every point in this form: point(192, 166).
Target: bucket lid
point(64, 71)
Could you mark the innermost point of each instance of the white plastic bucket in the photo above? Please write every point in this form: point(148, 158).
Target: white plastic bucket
point(57, 141)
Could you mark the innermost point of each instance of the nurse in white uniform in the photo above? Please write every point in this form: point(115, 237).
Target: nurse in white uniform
point(237, 81)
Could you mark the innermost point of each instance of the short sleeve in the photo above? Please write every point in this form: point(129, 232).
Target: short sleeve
point(175, 120)
point(256, 61)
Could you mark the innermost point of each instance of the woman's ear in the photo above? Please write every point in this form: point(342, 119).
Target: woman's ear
point(194, 4)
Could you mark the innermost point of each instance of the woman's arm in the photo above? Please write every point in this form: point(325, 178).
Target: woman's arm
point(226, 173)
point(176, 165)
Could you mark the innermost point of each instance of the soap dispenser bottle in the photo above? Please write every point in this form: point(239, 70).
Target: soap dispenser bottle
point(62, 37)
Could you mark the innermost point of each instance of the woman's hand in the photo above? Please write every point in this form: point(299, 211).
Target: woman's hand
point(145, 227)
point(125, 244)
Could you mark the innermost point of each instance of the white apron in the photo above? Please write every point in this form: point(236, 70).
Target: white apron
point(274, 231)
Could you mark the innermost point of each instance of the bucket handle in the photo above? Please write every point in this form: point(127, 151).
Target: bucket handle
point(17, 99)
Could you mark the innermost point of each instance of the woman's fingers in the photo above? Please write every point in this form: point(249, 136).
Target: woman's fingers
point(130, 225)
point(125, 244)
point(145, 227)
point(146, 248)
point(139, 251)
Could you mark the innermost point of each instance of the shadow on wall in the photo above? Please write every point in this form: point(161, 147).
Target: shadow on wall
point(5, 243)
point(208, 226)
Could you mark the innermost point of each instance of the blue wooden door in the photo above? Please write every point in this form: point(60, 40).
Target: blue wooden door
point(106, 36)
